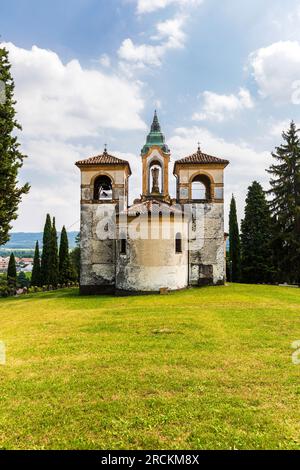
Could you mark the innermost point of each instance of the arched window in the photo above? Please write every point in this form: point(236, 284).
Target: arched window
point(155, 177)
point(102, 188)
point(178, 243)
point(201, 188)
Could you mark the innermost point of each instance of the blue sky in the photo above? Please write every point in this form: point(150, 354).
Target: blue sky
point(93, 71)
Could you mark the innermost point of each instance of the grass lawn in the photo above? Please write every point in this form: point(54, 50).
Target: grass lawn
point(205, 368)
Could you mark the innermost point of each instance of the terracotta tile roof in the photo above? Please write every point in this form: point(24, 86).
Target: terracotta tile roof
point(152, 206)
point(104, 159)
point(202, 158)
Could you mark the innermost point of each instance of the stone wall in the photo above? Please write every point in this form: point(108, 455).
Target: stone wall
point(97, 256)
point(207, 261)
point(152, 264)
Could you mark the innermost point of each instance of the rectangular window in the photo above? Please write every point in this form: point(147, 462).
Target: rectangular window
point(178, 243)
point(123, 248)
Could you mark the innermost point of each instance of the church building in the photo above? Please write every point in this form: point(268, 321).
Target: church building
point(159, 243)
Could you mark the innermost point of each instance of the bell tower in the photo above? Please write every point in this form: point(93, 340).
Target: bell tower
point(104, 190)
point(200, 186)
point(155, 159)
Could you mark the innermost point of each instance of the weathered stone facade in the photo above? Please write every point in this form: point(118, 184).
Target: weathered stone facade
point(158, 243)
point(97, 274)
point(206, 245)
point(153, 264)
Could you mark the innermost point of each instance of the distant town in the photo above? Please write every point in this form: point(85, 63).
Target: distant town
point(22, 245)
point(22, 264)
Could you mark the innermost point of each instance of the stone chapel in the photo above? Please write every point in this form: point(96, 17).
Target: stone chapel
point(159, 243)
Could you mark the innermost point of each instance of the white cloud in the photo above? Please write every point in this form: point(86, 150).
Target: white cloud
point(55, 182)
point(220, 107)
point(68, 101)
point(284, 22)
point(171, 36)
point(105, 60)
point(141, 55)
point(276, 128)
point(276, 70)
point(148, 6)
point(57, 103)
point(47, 156)
point(172, 30)
point(240, 154)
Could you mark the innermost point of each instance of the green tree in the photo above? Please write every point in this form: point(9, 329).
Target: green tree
point(11, 157)
point(75, 259)
point(22, 280)
point(46, 254)
point(36, 269)
point(53, 268)
point(285, 204)
point(256, 238)
point(234, 244)
point(12, 271)
point(64, 258)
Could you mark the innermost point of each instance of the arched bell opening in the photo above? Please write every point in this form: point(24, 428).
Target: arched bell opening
point(103, 188)
point(155, 177)
point(201, 188)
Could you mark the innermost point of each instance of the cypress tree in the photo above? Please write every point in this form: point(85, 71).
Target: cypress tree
point(64, 258)
point(36, 269)
point(234, 244)
point(53, 264)
point(285, 205)
point(46, 254)
point(12, 271)
point(11, 157)
point(75, 259)
point(256, 238)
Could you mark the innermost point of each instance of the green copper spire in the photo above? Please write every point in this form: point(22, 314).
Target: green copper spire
point(155, 124)
point(155, 137)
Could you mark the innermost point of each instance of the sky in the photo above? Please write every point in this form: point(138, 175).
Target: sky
point(89, 72)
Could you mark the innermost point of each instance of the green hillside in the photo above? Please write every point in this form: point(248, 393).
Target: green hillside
point(205, 368)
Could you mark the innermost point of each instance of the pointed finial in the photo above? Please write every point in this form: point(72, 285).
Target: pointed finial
point(199, 147)
point(155, 124)
point(105, 148)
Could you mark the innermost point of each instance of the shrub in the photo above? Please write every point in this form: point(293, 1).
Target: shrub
point(4, 290)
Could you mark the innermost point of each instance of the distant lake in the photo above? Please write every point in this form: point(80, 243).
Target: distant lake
point(26, 241)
